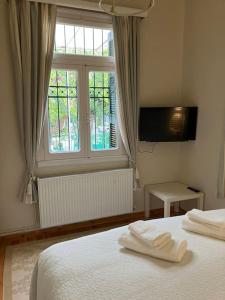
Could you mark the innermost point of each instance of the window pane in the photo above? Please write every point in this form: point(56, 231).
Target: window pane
point(81, 40)
point(69, 39)
point(89, 40)
point(102, 102)
point(60, 46)
point(63, 111)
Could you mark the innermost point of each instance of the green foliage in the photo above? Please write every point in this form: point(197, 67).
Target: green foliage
point(63, 110)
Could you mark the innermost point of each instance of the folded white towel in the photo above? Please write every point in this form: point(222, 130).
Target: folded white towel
point(208, 217)
point(173, 251)
point(149, 234)
point(204, 229)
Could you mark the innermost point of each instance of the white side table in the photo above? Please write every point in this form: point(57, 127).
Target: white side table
point(170, 192)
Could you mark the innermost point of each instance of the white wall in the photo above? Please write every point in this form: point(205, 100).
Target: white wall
point(160, 84)
point(204, 86)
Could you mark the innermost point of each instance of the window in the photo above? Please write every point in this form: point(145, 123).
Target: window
point(82, 119)
point(63, 111)
point(102, 110)
point(83, 40)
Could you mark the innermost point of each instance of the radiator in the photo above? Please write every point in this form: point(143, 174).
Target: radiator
point(82, 197)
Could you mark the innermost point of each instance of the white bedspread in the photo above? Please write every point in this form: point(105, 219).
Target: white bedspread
point(96, 268)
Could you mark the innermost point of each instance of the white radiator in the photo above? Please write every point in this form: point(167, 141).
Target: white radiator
point(82, 197)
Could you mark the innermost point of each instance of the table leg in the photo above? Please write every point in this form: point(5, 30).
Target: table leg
point(147, 204)
point(200, 202)
point(166, 209)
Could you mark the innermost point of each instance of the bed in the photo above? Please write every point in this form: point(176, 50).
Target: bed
point(95, 267)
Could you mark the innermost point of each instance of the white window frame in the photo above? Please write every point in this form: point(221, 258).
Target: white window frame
point(109, 152)
point(66, 155)
point(83, 64)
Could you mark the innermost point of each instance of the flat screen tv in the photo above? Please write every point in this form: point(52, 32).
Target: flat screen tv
point(167, 124)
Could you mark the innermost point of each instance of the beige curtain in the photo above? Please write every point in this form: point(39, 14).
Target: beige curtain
point(126, 36)
point(32, 34)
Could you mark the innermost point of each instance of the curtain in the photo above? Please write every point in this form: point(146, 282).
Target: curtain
point(32, 28)
point(126, 37)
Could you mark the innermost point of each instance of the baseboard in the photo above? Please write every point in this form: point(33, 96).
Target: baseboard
point(19, 230)
point(38, 234)
point(2, 258)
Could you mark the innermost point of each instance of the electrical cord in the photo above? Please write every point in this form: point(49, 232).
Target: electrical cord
point(146, 151)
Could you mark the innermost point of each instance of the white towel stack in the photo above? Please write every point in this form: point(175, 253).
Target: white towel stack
point(210, 223)
point(145, 238)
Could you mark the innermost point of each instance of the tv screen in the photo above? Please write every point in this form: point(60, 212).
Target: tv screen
point(167, 124)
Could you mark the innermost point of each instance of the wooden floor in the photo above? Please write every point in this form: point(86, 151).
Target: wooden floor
point(40, 234)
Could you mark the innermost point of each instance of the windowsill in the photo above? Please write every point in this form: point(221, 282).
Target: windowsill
point(81, 161)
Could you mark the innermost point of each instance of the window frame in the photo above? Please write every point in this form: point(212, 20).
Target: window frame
point(94, 153)
point(66, 155)
point(83, 64)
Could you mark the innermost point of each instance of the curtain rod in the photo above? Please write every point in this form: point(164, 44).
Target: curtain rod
point(83, 4)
